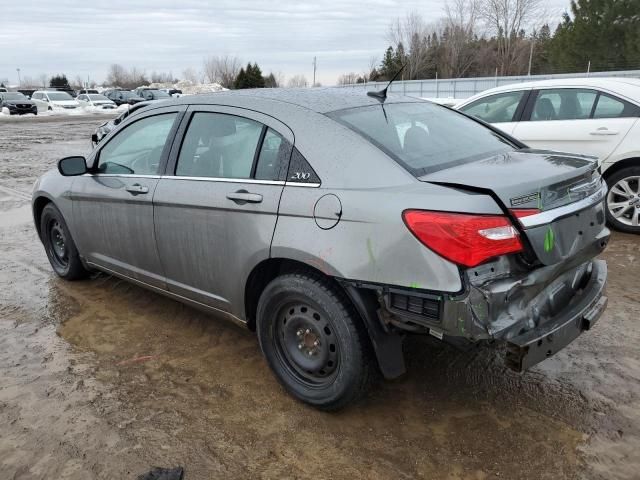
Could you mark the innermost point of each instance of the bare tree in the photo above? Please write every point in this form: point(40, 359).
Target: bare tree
point(191, 75)
point(42, 79)
point(348, 78)
point(457, 37)
point(507, 20)
point(411, 32)
point(221, 69)
point(297, 81)
point(117, 76)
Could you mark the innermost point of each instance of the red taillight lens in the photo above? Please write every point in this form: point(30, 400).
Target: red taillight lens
point(462, 238)
point(524, 212)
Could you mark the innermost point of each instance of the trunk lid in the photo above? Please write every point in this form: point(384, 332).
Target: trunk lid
point(566, 189)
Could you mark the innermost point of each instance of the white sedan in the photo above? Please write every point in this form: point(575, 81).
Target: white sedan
point(95, 100)
point(592, 116)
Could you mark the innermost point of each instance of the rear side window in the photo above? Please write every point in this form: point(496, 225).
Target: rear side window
point(137, 149)
point(497, 108)
point(423, 137)
point(610, 107)
point(563, 104)
point(218, 145)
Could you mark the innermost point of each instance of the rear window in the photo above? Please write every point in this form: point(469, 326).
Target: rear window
point(423, 137)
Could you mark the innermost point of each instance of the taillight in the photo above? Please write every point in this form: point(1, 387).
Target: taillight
point(465, 239)
point(524, 212)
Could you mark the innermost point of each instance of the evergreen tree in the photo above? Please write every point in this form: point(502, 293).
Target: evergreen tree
point(603, 32)
point(241, 79)
point(59, 81)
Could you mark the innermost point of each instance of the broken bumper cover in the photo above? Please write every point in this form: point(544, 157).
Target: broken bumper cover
point(534, 346)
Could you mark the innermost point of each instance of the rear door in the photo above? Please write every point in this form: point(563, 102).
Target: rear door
point(503, 110)
point(216, 206)
point(113, 204)
point(575, 120)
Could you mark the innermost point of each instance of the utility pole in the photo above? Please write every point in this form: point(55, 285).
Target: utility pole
point(19, 80)
point(588, 68)
point(530, 57)
point(315, 63)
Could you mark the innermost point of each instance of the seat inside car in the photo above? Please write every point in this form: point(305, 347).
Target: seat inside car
point(205, 147)
point(569, 106)
point(545, 110)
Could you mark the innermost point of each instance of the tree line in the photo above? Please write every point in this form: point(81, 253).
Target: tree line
point(477, 38)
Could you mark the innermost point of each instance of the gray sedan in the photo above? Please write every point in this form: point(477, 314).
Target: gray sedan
point(333, 224)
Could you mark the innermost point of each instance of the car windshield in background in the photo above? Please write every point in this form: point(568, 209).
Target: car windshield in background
point(128, 94)
point(97, 98)
point(59, 96)
point(12, 96)
point(160, 94)
point(423, 137)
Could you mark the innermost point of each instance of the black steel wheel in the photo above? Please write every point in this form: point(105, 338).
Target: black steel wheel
point(306, 344)
point(314, 340)
point(59, 246)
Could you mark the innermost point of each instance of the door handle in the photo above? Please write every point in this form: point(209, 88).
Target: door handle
point(136, 189)
point(242, 196)
point(603, 131)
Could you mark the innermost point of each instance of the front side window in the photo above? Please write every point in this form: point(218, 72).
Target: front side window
point(423, 137)
point(218, 145)
point(137, 149)
point(563, 104)
point(497, 108)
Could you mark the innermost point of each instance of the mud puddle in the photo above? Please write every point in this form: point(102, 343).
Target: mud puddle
point(101, 379)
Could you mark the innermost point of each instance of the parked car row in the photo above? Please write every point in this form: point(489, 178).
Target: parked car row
point(592, 116)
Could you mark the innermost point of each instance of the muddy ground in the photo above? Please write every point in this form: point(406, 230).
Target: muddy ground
point(101, 379)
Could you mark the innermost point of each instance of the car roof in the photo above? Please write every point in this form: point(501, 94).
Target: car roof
point(320, 100)
point(625, 86)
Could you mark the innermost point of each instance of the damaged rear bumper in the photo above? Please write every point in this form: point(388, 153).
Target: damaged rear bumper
point(532, 347)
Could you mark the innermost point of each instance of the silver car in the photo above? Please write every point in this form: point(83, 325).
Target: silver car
point(333, 224)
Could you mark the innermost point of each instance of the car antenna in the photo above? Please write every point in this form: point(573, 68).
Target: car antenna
point(382, 94)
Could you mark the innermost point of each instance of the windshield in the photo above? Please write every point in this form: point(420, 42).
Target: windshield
point(96, 98)
point(423, 137)
point(159, 94)
point(126, 94)
point(12, 96)
point(59, 96)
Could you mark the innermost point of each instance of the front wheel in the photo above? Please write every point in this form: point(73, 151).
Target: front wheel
point(623, 200)
point(313, 341)
point(60, 247)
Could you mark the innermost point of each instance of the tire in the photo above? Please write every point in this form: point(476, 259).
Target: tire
point(313, 341)
point(623, 200)
point(59, 245)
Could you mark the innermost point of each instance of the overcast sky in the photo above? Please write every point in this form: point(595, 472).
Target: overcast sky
point(68, 36)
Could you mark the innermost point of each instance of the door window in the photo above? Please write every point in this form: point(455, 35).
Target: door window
point(273, 158)
point(219, 146)
point(137, 149)
point(563, 104)
point(610, 107)
point(497, 108)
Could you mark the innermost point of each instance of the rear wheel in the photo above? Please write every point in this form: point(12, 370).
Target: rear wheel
point(623, 200)
point(313, 341)
point(60, 247)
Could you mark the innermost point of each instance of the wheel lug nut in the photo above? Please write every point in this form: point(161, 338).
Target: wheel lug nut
point(307, 331)
point(299, 333)
point(316, 343)
point(300, 346)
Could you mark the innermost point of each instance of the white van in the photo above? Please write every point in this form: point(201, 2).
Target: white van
point(53, 100)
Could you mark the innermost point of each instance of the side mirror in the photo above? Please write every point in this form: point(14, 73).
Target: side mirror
point(72, 166)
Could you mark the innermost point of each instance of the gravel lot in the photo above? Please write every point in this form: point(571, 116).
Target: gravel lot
point(101, 379)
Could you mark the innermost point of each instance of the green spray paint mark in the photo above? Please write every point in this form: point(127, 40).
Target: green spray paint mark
point(372, 257)
point(414, 285)
point(549, 240)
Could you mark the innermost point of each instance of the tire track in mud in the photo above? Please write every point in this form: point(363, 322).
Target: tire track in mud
point(16, 193)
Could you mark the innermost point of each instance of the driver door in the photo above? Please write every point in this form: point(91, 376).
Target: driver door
point(112, 205)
